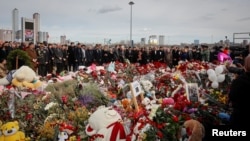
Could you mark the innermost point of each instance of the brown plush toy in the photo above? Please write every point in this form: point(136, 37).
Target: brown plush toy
point(126, 103)
point(195, 130)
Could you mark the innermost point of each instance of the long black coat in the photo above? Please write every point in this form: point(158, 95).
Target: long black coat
point(239, 91)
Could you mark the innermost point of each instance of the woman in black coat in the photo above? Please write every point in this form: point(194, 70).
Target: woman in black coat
point(240, 88)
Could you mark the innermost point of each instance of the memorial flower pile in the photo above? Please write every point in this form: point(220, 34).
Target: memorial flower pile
point(67, 105)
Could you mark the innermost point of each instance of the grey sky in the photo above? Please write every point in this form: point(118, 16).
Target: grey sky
point(181, 21)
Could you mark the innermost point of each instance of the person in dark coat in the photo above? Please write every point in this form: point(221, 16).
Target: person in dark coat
point(42, 59)
point(111, 55)
point(185, 54)
point(71, 53)
point(78, 55)
point(154, 54)
point(237, 97)
point(160, 55)
point(129, 54)
point(89, 56)
point(146, 57)
point(176, 55)
point(65, 57)
point(97, 54)
point(105, 55)
point(3, 51)
point(58, 59)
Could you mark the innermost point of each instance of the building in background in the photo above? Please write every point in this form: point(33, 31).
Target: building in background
point(245, 43)
point(196, 42)
point(36, 17)
point(43, 37)
point(63, 39)
point(27, 26)
point(15, 24)
point(19, 36)
point(143, 41)
point(153, 40)
point(5, 35)
point(161, 40)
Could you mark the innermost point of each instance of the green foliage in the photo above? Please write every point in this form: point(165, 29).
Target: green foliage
point(23, 59)
point(166, 127)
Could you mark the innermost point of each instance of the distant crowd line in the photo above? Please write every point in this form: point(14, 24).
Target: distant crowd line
point(46, 56)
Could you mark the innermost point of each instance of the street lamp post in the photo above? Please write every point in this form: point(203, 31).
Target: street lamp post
point(131, 3)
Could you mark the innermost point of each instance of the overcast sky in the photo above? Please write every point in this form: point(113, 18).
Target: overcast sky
point(92, 21)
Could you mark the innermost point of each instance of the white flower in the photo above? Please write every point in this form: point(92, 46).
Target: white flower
point(51, 104)
point(51, 116)
point(147, 85)
point(46, 95)
point(154, 108)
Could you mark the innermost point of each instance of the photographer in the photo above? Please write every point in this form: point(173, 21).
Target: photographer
point(237, 96)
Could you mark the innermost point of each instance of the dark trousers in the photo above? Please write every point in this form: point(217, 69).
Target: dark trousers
point(59, 68)
point(50, 67)
point(42, 70)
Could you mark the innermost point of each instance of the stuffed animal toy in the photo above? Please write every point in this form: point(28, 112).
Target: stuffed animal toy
point(151, 106)
point(105, 125)
point(126, 104)
point(10, 132)
point(195, 130)
point(63, 136)
point(26, 77)
point(148, 103)
point(66, 131)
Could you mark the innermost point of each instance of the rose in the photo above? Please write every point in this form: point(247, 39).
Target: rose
point(64, 99)
point(29, 116)
point(175, 118)
point(160, 134)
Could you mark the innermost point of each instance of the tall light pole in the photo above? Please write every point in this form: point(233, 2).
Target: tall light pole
point(131, 3)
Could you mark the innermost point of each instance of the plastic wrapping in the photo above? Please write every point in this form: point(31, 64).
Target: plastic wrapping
point(11, 104)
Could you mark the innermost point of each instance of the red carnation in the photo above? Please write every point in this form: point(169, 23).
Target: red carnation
point(94, 74)
point(28, 116)
point(175, 118)
point(177, 106)
point(159, 134)
point(64, 99)
point(102, 72)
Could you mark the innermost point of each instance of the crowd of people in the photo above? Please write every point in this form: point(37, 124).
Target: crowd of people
point(47, 56)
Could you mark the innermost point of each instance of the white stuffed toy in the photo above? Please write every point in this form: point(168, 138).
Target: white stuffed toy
point(63, 136)
point(105, 125)
point(22, 77)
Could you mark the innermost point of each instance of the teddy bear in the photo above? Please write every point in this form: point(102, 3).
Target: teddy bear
point(24, 77)
point(105, 124)
point(10, 132)
point(126, 104)
point(194, 130)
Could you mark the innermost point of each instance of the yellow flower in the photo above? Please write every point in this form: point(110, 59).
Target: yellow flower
point(142, 136)
point(47, 130)
point(36, 106)
point(27, 139)
point(73, 138)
